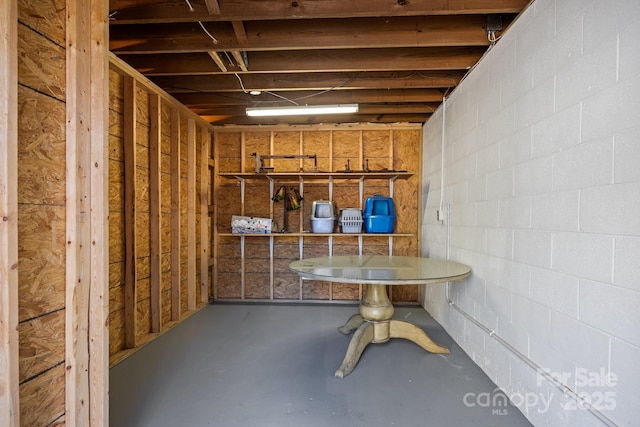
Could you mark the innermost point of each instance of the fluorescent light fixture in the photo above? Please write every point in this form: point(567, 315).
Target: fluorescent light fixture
point(298, 110)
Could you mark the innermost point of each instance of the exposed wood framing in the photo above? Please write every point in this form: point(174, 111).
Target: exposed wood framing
point(86, 335)
point(219, 62)
point(237, 55)
point(175, 214)
point(241, 33)
point(191, 214)
point(205, 240)
point(130, 276)
point(155, 235)
point(213, 7)
point(9, 379)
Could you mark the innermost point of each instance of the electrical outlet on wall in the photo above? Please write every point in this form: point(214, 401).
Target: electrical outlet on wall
point(440, 215)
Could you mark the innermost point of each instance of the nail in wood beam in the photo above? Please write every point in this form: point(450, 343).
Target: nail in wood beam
point(175, 214)
point(155, 220)
point(130, 277)
point(9, 378)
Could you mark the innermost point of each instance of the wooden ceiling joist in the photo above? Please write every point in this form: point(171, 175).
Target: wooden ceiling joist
point(153, 11)
point(407, 59)
point(432, 31)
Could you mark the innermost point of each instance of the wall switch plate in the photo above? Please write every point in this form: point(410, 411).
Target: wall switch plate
point(440, 215)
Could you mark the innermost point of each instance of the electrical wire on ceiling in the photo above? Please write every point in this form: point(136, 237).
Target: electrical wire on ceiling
point(191, 9)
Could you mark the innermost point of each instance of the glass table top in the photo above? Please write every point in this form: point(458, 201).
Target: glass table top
point(380, 269)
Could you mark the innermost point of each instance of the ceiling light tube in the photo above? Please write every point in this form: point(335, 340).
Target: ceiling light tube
point(302, 110)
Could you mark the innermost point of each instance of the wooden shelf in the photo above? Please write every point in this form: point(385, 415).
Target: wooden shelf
point(318, 175)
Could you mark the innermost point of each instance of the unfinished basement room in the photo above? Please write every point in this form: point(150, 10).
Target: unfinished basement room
point(319, 213)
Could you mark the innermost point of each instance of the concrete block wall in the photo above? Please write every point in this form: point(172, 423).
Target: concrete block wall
point(540, 182)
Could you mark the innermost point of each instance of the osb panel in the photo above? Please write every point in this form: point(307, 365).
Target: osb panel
point(41, 145)
point(143, 267)
point(286, 142)
point(345, 292)
point(116, 123)
point(316, 142)
point(228, 143)
point(143, 290)
point(42, 398)
point(142, 234)
point(45, 18)
point(165, 124)
point(315, 290)
point(41, 63)
point(375, 143)
point(165, 282)
point(116, 274)
point(405, 197)
point(165, 309)
point(256, 248)
point(406, 150)
point(165, 193)
point(116, 91)
point(315, 250)
point(257, 286)
point(255, 142)
point(143, 324)
point(286, 250)
point(229, 249)
point(142, 190)
point(116, 298)
point(256, 201)
point(286, 286)
point(116, 237)
point(116, 332)
point(229, 285)
point(165, 233)
point(229, 164)
point(142, 105)
point(404, 293)
point(345, 249)
point(41, 254)
point(116, 186)
point(116, 148)
point(346, 145)
point(142, 157)
point(41, 343)
point(371, 249)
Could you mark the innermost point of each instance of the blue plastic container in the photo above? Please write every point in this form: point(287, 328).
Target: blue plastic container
point(379, 214)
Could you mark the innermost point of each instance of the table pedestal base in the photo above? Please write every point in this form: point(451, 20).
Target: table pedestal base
point(374, 325)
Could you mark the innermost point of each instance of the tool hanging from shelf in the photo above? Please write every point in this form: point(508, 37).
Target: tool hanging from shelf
point(291, 201)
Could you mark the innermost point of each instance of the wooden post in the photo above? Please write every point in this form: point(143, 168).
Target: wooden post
point(9, 379)
point(191, 214)
point(130, 258)
point(205, 240)
point(175, 214)
point(155, 235)
point(86, 311)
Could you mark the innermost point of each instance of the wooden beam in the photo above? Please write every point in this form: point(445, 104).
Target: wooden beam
point(155, 215)
point(304, 61)
point(219, 62)
point(9, 377)
point(334, 97)
point(213, 7)
point(250, 10)
point(87, 293)
point(175, 214)
point(240, 32)
point(130, 259)
point(312, 81)
point(191, 214)
point(237, 55)
point(205, 239)
point(357, 33)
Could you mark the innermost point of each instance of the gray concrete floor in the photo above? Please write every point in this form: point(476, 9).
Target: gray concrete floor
point(273, 365)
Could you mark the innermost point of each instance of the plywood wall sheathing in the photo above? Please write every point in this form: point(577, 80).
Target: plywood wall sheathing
point(245, 277)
